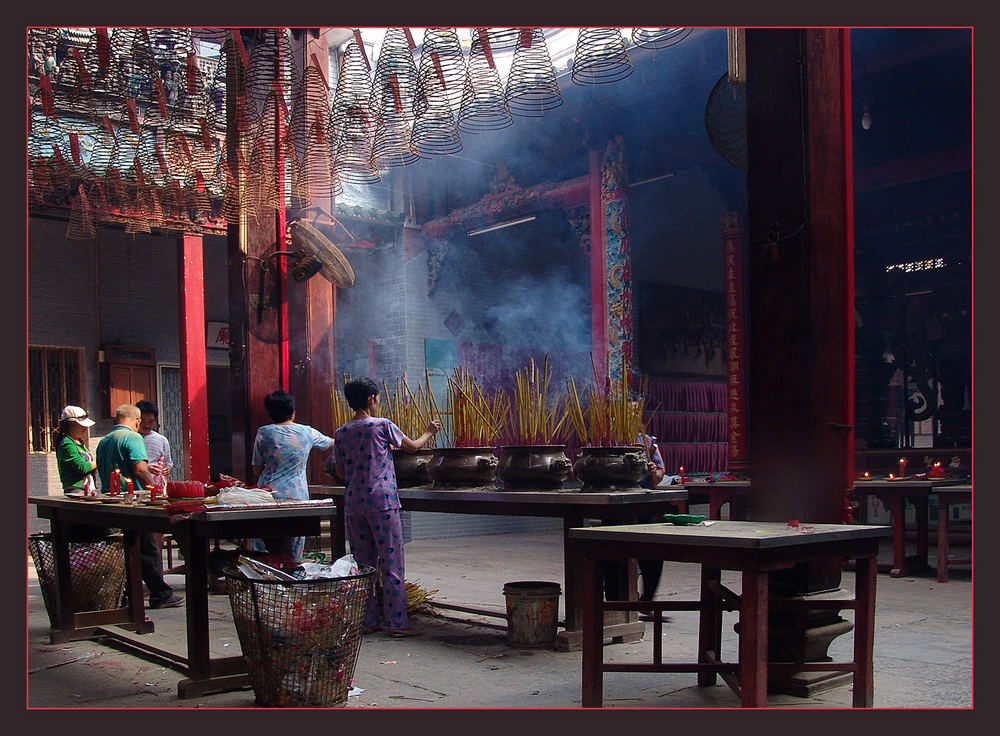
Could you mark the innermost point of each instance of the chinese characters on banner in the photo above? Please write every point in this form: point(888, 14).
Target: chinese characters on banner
point(736, 382)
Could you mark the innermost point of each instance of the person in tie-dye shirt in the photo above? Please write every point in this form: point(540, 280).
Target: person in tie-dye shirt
point(363, 460)
point(280, 453)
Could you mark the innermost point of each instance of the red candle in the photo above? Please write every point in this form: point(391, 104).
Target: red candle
point(116, 479)
point(682, 473)
point(902, 467)
point(866, 473)
point(130, 487)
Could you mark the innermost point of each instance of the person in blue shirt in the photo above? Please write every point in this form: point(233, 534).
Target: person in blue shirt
point(280, 455)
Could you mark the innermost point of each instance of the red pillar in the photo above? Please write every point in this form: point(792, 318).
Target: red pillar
point(194, 376)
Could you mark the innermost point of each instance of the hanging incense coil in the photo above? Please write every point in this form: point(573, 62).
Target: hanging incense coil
point(393, 88)
point(272, 64)
point(81, 221)
point(271, 148)
point(314, 136)
point(484, 105)
point(532, 87)
point(74, 91)
point(600, 57)
point(105, 69)
point(191, 102)
point(442, 72)
point(350, 112)
point(352, 119)
point(659, 38)
point(500, 39)
point(435, 131)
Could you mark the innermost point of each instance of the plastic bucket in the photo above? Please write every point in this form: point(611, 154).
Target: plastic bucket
point(532, 613)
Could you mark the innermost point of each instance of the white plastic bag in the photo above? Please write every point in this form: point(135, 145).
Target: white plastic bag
point(342, 568)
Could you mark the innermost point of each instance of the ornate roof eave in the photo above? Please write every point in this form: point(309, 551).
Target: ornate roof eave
point(514, 202)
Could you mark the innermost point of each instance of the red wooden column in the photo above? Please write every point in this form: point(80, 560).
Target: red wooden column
point(194, 375)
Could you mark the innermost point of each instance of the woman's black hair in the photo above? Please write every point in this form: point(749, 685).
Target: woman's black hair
point(280, 405)
point(357, 391)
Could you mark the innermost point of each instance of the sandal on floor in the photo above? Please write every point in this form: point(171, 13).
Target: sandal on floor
point(401, 633)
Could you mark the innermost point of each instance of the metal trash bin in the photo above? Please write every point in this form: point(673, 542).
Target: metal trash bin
point(532, 613)
point(96, 569)
point(300, 638)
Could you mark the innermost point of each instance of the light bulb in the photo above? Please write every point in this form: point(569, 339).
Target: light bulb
point(866, 118)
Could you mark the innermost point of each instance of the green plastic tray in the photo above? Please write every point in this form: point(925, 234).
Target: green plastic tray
point(684, 519)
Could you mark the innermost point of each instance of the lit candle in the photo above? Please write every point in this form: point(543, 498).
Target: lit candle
point(902, 467)
point(116, 479)
point(892, 476)
point(866, 474)
point(130, 487)
point(682, 473)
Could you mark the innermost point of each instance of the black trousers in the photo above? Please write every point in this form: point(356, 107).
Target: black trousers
point(151, 559)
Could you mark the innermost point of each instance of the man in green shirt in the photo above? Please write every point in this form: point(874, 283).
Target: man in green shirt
point(125, 449)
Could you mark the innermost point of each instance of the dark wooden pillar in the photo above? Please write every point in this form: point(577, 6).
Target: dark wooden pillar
point(801, 307)
point(800, 273)
point(257, 366)
point(194, 373)
point(312, 309)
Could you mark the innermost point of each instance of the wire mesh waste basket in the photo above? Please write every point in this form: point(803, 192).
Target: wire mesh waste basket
point(96, 571)
point(300, 638)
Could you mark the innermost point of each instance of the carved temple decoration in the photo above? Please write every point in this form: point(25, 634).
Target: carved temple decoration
point(496, 207)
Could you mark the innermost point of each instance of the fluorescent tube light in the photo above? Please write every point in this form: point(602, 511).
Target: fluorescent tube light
point(499, 225)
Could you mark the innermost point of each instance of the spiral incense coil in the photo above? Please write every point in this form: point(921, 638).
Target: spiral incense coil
point(484, 105)
point(442, 72)
point(394, 82)
point(353, 120)
point(500, 39)
point(81, 221)
point(393, 88)
point(435, 131)
point(532, 87)
point(272, 64)
point(393, 146)
point(600, 56)
point(314, 136)
point(191, 102)
point(659, 38)
point(104, 68)
point(74, 91)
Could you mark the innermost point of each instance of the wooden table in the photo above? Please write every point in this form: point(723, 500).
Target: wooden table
point(204, 674)
point(755, 549)
point(572, 506)
point(894, 494)
point(947, 497)
point(718, 493)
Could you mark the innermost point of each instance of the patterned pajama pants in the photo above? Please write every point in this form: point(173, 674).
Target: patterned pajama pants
point(377, 540)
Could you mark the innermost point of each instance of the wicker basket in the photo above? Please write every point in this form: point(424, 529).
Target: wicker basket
point(300, 638)
point(97, 573)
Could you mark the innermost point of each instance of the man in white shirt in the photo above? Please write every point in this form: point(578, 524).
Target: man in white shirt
point(157, 445)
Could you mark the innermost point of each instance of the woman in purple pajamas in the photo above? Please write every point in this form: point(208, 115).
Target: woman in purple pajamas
point(363, 460)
